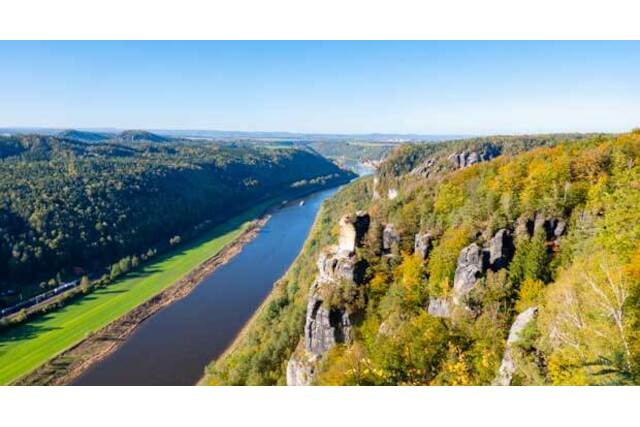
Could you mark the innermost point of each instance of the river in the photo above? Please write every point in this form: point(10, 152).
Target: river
point(174, 346)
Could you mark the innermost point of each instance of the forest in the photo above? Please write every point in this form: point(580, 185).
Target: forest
point(558, 306)
point(71, 208)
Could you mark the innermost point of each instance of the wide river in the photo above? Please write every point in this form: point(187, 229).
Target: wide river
point(174, 346)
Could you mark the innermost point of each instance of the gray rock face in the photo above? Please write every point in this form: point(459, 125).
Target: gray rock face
point(324, 328)
point(439, 307)
point(560, 228)
point(551, 228)
point(501, 249)
point(470, 267)
point(467, 158)
point(422, 245)
point(425, 169)
point(327, 326)
point(334, 266)
point(301, 369)
point(390, 240)
point(508, 366)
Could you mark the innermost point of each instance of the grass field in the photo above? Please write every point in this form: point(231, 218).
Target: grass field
point(24, 348)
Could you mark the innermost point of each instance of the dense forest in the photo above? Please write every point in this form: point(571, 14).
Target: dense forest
point(509, 260)
point(69, 207)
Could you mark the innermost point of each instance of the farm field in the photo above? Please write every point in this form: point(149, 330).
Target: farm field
point(26, 347)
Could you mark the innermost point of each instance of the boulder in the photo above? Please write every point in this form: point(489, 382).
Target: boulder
point(422, 245)
point(439, 307)
point(471, 265)
point(501, 249)
point(508, 366)
point(390, 240)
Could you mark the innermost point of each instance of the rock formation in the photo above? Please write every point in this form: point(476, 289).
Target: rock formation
point(551, 228)
point(325, 325)
point(467, 158)
point(439, 307)
point(425, 169)
point(470, 267)
point(508, 365)
point(501, 249)
point(422, 245)
point(474, 261)
point(352, 230)
point(376, 184)
point(301, 368)
point(390, 240)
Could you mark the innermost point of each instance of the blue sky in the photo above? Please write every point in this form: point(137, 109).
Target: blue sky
point(331, 87)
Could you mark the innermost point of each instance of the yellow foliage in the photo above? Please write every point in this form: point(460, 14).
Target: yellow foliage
point(410, 275)
point(531, 294)
point(449, 197)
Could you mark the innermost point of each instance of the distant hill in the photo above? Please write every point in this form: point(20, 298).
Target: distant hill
point(141, 135)
point(84, 136)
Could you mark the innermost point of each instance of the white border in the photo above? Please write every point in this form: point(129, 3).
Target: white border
point(320, 19)
point(320, 406)
point(328, 19)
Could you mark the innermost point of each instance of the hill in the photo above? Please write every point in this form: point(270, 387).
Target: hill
point(68, 206)
point(84, 136)
point(141, 136)
point(512, 261)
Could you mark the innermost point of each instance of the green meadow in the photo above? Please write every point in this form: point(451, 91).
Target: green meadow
point(27, 346)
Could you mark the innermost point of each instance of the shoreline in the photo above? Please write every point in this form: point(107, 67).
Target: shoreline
point(70, 364)
point(242, 332)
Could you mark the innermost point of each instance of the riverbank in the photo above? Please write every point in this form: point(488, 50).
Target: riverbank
point(250, 323)
point(59, 346)
point(70, 364)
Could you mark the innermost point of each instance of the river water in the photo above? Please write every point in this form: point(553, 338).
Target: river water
point(174, 346)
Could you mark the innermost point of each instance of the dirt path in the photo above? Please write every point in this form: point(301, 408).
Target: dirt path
point(69, 365)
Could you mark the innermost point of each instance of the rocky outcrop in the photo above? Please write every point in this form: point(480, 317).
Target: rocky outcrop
point(467, 158)
point(352, 231)
point(422, 245)
point(501, 249)
point(470, 267)
point(376, 185)
point(426, 169)
point(335, 265)
point(301, 368)
point(390, 240)
point(439, 307)
point(327, 325)
point(550, 227)
point(459, 160)
point(474, 261)
point(508, 365)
